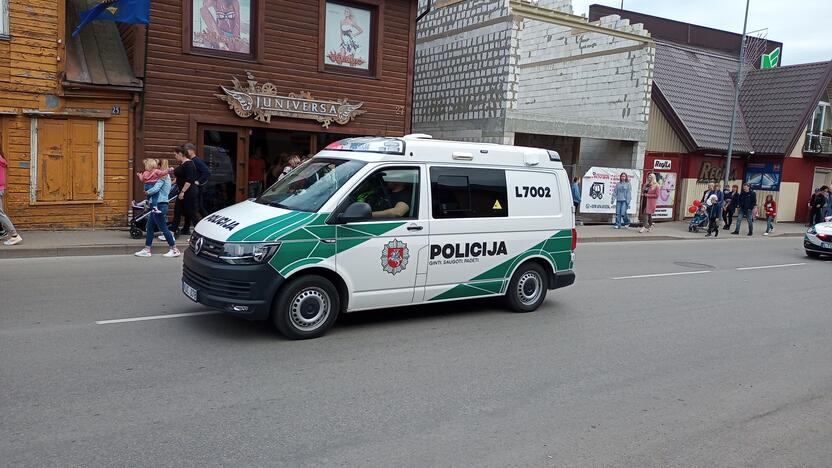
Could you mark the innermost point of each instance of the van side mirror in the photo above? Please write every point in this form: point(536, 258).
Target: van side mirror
point(354, 213)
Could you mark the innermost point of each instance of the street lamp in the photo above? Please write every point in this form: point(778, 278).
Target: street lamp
point(736, 99)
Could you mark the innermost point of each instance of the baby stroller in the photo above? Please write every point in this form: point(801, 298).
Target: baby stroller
point(141, 211)
point(700, 219)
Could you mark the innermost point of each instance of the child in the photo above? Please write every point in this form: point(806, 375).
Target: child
point(151, 174)
point(771, 213)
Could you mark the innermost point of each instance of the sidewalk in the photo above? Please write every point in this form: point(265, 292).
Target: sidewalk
point(679, 231)
point(118, 242)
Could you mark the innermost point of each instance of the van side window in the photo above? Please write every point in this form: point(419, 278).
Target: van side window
point(391, 192)
point(458, 192)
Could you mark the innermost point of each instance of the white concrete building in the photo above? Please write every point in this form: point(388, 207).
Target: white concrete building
point(531, 73)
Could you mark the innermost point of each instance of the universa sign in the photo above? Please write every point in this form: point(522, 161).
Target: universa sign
point(263, 101)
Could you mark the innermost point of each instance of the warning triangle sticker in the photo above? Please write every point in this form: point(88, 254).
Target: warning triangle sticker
point(497, 205)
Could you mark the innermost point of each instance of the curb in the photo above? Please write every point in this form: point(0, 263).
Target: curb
point(129, 249)
point(77, 251)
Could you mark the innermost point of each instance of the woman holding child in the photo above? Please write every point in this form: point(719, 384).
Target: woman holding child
point(158, 192)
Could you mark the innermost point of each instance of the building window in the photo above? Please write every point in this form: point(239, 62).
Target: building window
point(67, 160)
point(4, 18)
point(349, 36)
point(227, 28)
point(468, 193)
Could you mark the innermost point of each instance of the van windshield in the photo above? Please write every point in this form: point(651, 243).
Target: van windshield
point(311, 184)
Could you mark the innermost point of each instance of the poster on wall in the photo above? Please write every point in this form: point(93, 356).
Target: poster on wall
point(222, 25)
point(667, 194)
point(763, 176)
point(598, 185)
point(347, 36)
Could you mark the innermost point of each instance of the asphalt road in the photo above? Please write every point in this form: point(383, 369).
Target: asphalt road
point(723, 368)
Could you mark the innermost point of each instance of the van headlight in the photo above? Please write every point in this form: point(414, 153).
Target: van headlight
point(248, 253)
point(812, 231)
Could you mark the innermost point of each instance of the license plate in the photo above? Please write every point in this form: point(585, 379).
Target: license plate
point(189, 291)
point(826, 245)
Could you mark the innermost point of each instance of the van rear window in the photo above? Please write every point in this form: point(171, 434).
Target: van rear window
point(369, 145)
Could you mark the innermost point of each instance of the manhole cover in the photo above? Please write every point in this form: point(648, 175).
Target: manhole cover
point(695, 266)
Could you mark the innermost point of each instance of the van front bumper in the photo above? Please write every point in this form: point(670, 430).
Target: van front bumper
point(242, 290)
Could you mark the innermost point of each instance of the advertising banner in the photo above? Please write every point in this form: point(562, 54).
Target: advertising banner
point(763, 176)
point(598, 185)
point(667, 194)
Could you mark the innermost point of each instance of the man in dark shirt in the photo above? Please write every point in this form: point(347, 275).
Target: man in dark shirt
point(203, 174)
point(747, 202)
point(400, 198)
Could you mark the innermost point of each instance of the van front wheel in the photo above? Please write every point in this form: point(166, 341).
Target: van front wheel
point(306, 307)
point(527, 288)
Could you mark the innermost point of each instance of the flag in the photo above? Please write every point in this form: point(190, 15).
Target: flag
point(121, 11)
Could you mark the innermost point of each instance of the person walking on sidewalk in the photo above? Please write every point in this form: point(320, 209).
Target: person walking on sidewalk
point(203, 173)
point(622, 194)
point(651, 198)
point(715, 202)
point(159, 220)
point(5, 222)
point(817, 205)
point(187, 200)
point(747, 204)
point(729, 206)
point(771, 213)
point(576, 194)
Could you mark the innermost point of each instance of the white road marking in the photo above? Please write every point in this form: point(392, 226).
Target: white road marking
point(771, 266)
point(153, 317)
point(664, 274)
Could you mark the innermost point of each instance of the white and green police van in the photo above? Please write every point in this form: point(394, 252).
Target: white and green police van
point(377, 222)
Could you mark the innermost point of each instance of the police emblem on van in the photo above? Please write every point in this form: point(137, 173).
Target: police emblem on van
point(394, 256)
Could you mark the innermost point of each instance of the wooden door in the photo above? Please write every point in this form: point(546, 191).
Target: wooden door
point(53, 171)
point(83, 146)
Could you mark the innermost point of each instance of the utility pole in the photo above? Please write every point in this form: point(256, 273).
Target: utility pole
point(736, 99)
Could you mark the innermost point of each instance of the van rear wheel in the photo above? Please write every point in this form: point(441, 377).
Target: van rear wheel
point(527, 288)
point(306, 307)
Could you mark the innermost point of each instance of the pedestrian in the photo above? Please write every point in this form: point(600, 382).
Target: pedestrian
point(651, 198)
point(747, 205)
point(158, 220)
point(707, 192)
point(817, 205)
point(576, 194)
point(187, 200)
point(256, 173)
point(729, 206)
point(622, 194)
point(203, 174)
point(771, 213)
point(152, 173)
point(293, 162)
point(713, 210)
point(13, 237)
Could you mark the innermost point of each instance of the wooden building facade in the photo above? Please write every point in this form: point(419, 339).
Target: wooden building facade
point(65, 120)
point(274, 77)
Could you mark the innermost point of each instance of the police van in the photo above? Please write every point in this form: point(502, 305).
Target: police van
point(378, 222)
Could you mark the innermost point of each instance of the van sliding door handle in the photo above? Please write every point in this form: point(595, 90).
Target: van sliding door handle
point(415, 227)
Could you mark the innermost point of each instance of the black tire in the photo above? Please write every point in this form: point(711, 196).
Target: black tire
point(527, 288)
point(297, 311)
point(136, 233)
point(811, 254)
